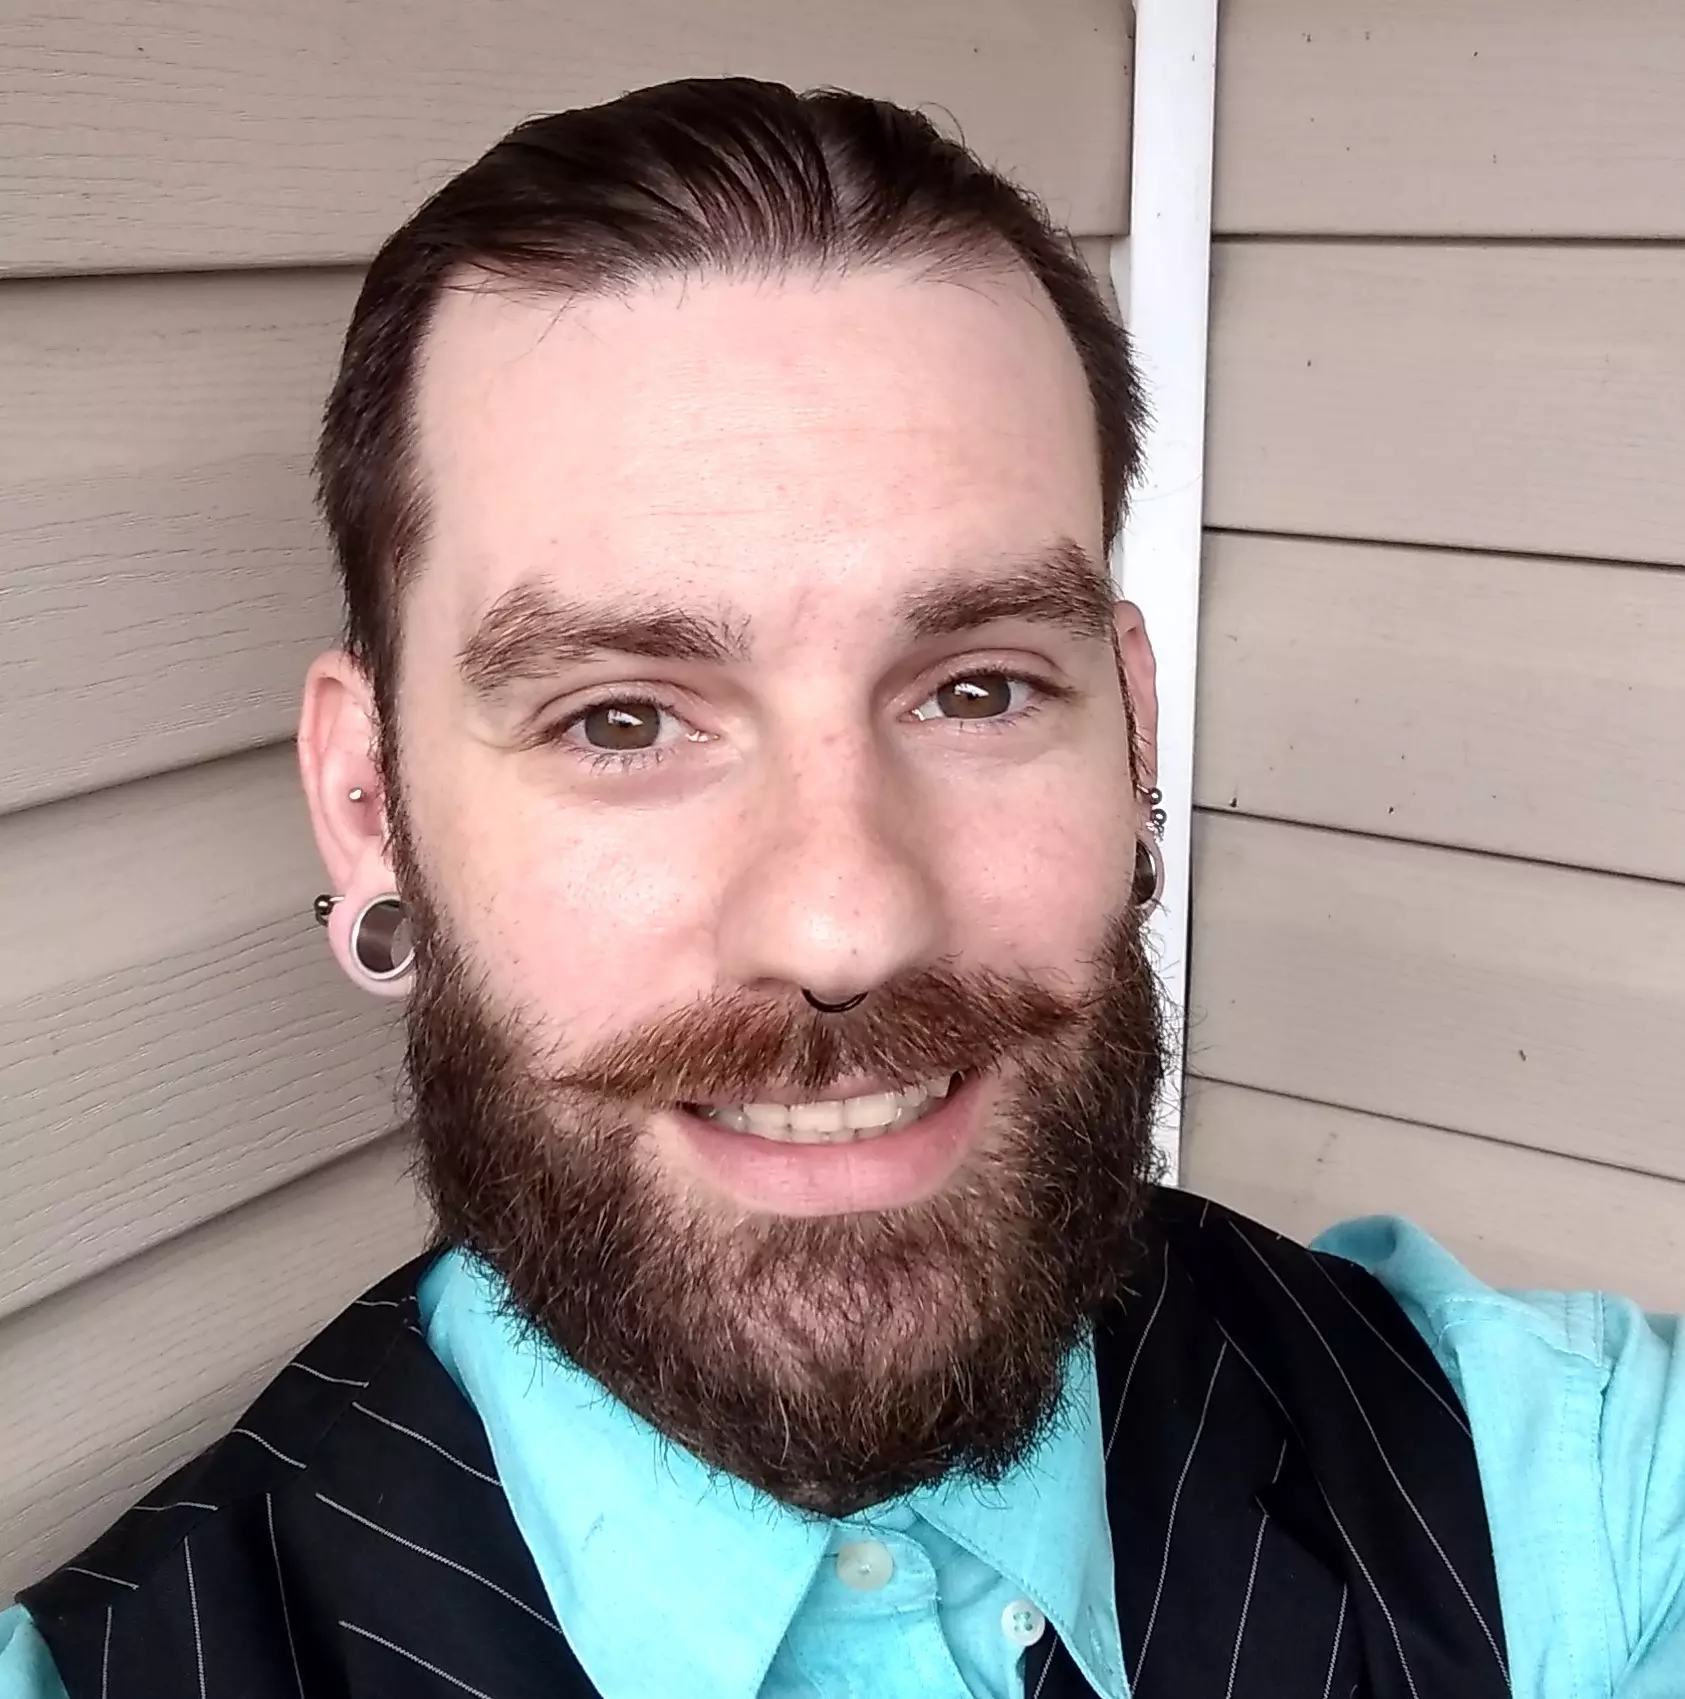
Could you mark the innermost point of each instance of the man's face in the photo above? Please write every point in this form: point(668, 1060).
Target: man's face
point(757, 646)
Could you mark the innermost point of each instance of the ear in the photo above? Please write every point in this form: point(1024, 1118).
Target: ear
point(337, 744)
point(1140, 680)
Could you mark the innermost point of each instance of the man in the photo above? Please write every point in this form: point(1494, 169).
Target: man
point(739, 763)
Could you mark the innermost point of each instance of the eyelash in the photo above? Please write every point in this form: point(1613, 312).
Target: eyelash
point(626, 760)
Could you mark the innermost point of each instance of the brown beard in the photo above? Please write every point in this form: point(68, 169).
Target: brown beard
point(833, 1362)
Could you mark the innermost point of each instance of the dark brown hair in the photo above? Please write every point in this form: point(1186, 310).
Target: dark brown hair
point(706, 176)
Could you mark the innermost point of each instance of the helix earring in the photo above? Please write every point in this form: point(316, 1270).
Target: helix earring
point(379, 939)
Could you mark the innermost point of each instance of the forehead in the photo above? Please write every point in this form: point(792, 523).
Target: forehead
point(748, 437)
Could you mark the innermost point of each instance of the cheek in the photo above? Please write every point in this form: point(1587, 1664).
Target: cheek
point(583, 921)
point(1039, 868)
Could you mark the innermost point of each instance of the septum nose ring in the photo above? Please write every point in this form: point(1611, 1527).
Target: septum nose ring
point(841, 1008)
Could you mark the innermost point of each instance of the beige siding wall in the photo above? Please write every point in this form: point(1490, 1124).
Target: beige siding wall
point(196, 1157)
point(1439, 933)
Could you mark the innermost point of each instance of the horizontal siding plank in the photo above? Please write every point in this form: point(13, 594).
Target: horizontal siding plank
point(1512, 397)
point(1507, 118)
point(1561, 1225)
point(163, 581)
point(1529, 706)
point(1536, 1005)
point(305, 130)
point(110, 1386)
point(175, 1037)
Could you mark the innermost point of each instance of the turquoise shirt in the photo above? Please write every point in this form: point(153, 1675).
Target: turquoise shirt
point(1576, 1403)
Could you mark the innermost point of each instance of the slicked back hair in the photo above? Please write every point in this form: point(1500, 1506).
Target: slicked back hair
point(726, 177)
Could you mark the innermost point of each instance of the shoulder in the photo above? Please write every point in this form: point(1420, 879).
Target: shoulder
point(1326, 1340)
point(1278, 1285)
point(1519, 1343)
point(1576, 1403)
point(271, 1444)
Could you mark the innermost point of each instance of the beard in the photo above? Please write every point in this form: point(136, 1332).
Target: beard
point(836, 1361)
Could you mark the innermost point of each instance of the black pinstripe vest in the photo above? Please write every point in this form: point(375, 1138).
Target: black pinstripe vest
point(1292, 1491)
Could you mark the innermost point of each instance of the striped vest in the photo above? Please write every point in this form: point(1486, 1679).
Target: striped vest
point(1291, 1487)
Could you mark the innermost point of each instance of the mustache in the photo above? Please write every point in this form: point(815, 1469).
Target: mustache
point(736, 1043)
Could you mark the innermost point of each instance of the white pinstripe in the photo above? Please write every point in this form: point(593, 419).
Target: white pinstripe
point(246, 1433)
point(1252, 1580)
point(1170, 1527)
point(432, 1445)
point(1363, 1568)
point(1140, 1346)
point(432, 1669)
point(281, 1588)
point(439, 1557)
point(179, 1504)
point(1468, 1597)
point(1041, 1680)
point(336, 1380)
point(105, 1658)
point(1433, 1391)
point(376, 1304)
point(1334, 1651)
point(193, 1600)
point(115, 1580)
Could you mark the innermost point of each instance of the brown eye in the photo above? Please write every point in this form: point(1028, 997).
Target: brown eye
point(619, 726)
point(977, 696)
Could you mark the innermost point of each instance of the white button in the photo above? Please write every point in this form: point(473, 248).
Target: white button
point(1022, 1624)
point(864, 1564)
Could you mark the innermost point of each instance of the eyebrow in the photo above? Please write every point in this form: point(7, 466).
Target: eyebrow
point(530, 633)
point(1060, 586)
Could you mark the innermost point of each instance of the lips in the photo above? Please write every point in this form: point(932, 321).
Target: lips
point(856, 1171)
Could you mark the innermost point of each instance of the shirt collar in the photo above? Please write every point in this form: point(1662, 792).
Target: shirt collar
point(626, 1527)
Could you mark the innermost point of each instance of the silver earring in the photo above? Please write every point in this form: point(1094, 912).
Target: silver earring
point(1156, 816)
point(355, 793)
point(380, 939)
point(1149, 879)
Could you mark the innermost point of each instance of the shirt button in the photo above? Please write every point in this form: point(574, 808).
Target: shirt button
point(864, 1565)
point(1022, 1624)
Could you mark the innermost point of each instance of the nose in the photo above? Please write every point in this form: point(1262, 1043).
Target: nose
point(834, 890)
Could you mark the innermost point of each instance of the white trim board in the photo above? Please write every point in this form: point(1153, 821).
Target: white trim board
point(1161, 272)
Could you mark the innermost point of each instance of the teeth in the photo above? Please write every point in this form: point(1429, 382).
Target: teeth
point(879, 1110)
point(837, 1122)
point(815, 1120)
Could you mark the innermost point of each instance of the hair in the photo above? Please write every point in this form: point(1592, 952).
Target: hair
point(701, 177)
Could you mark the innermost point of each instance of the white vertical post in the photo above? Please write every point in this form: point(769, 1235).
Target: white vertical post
point(1162, 274)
